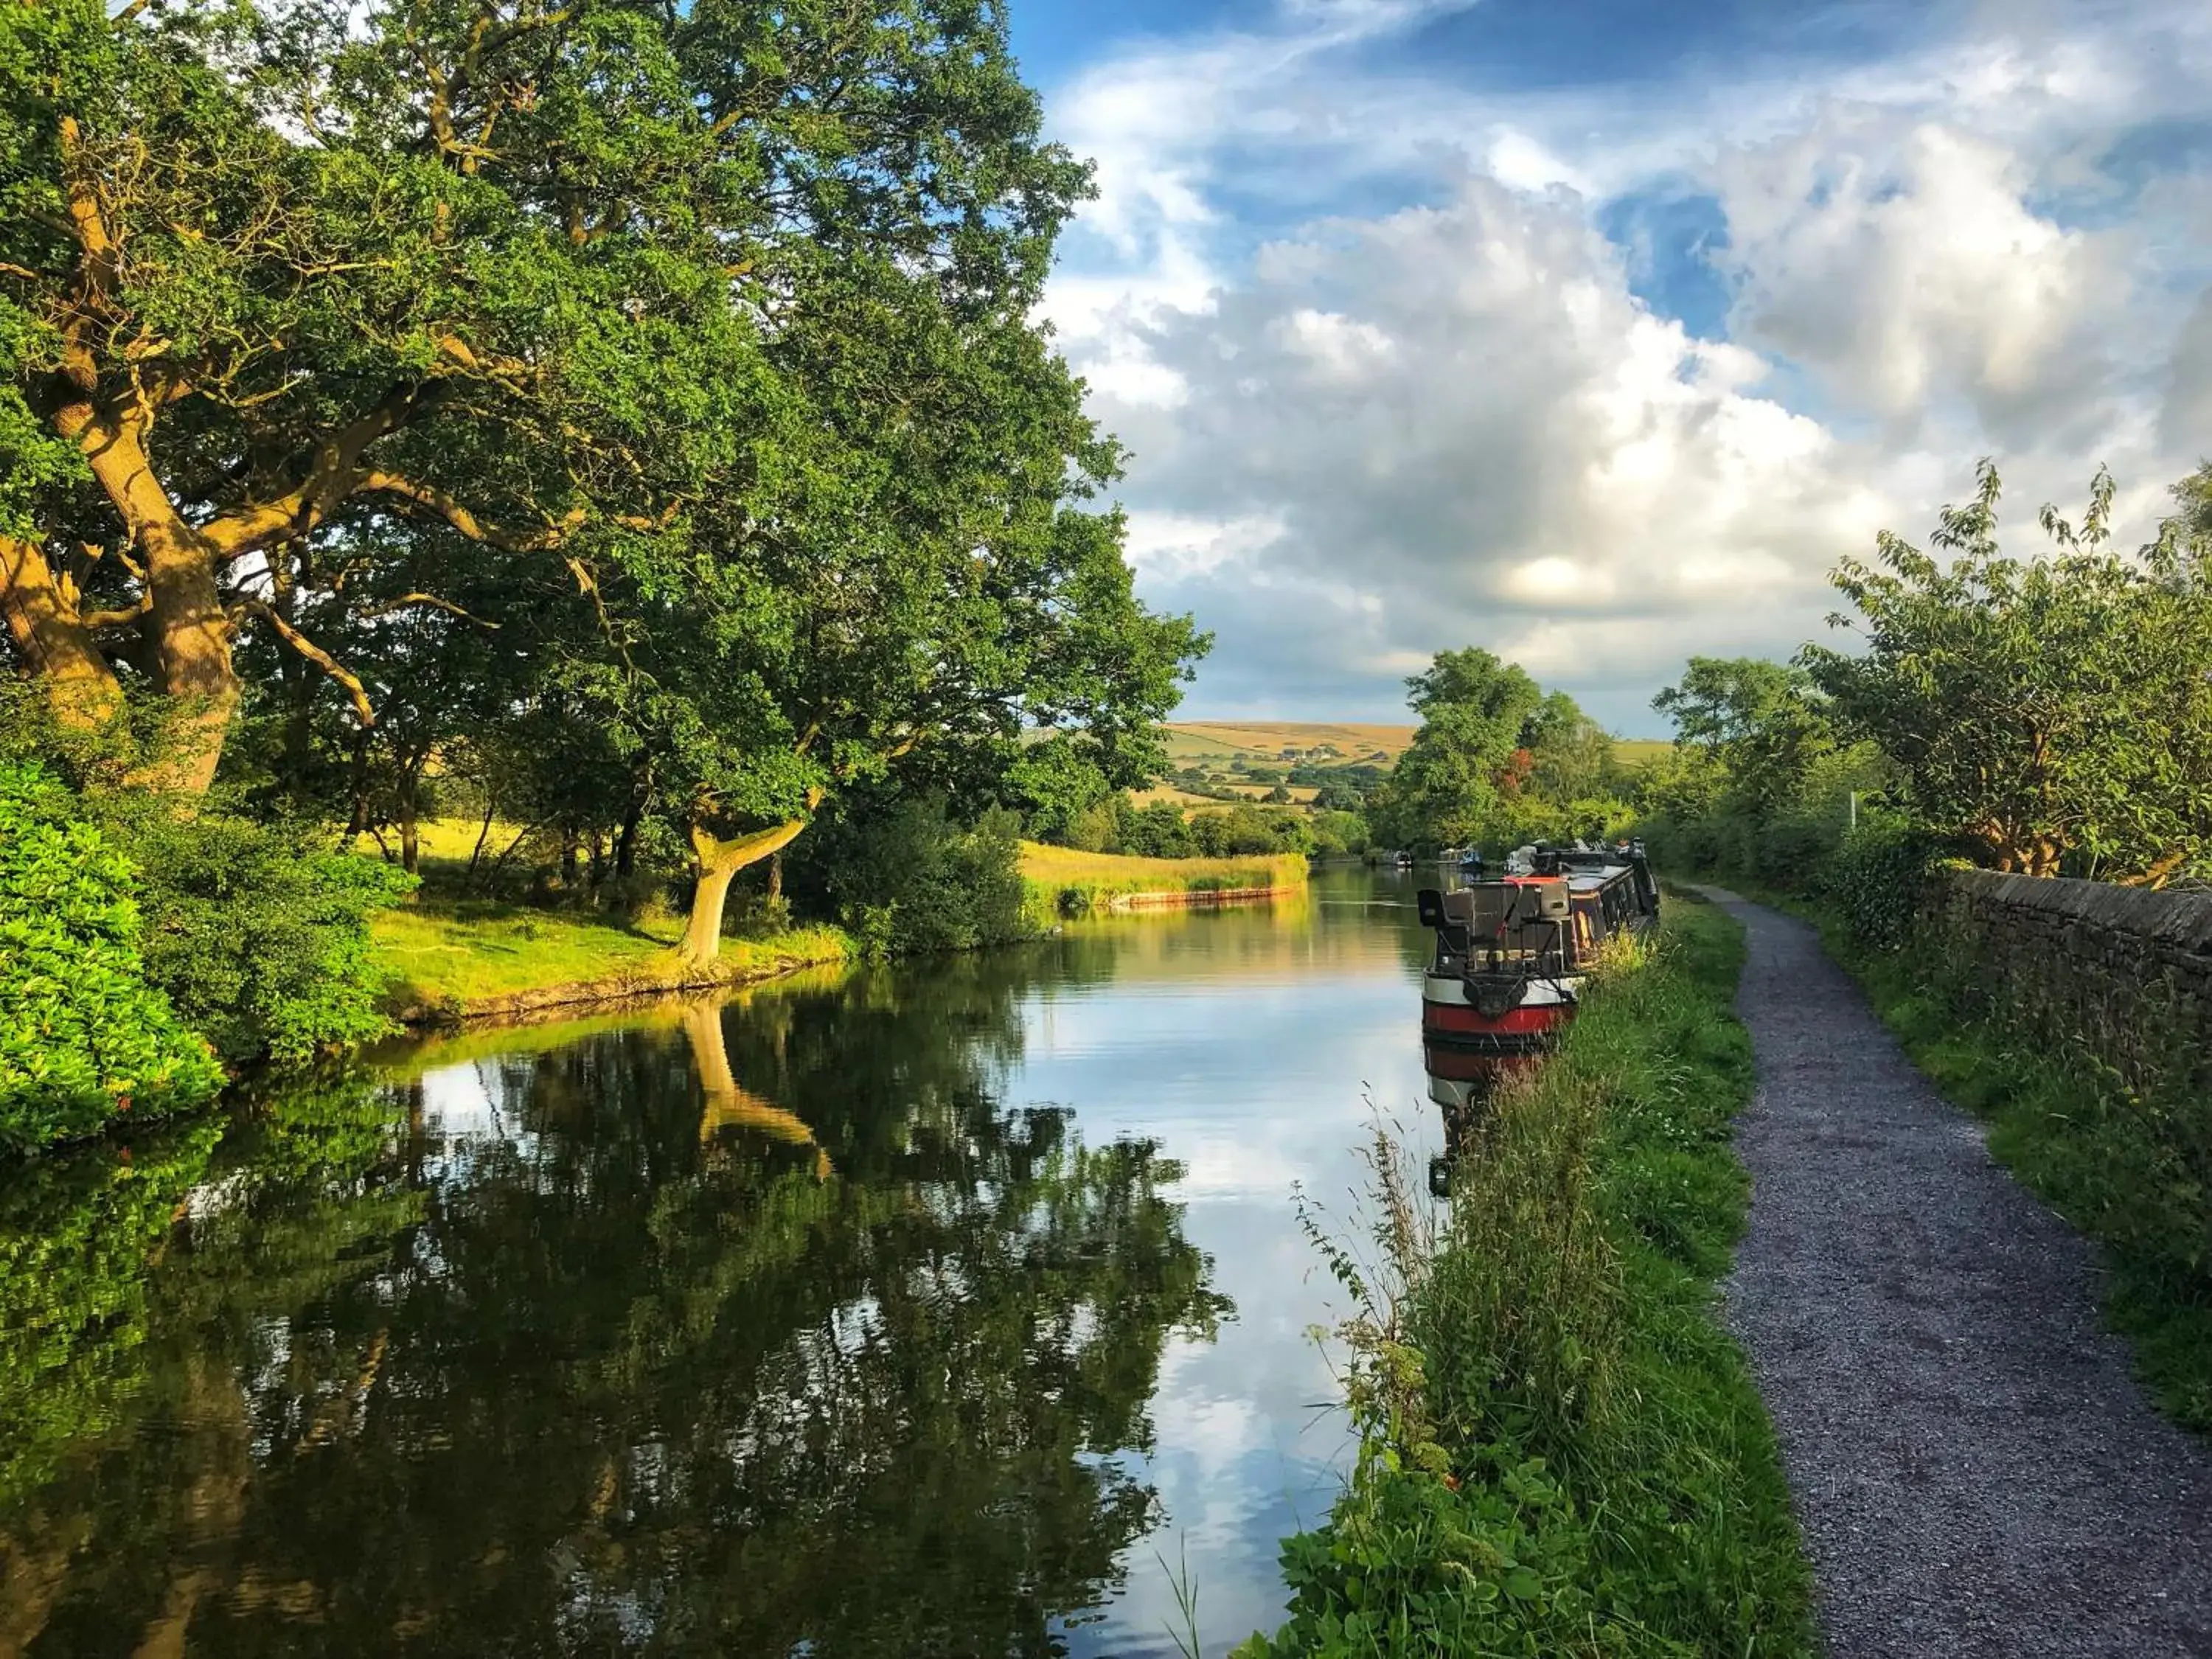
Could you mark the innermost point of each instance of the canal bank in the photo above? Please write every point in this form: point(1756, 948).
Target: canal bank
point(549, 1336)
point(454, 961)
point(1561, 1451)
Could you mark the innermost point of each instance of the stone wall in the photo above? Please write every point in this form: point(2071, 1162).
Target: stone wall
point(2124, 972)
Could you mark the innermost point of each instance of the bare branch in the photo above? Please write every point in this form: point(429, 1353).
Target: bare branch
point(462, 519)
point(407, 601)
point(315, 653)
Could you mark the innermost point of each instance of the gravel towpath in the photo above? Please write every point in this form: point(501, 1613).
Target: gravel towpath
point(1975, 1470)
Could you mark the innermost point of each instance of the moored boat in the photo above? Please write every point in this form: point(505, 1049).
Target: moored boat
point(1512, 954)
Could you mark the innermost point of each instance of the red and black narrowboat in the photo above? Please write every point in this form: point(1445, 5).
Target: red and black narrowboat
point(1511, 956)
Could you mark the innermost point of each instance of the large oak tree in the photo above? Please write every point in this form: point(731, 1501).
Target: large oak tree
point(554, 280)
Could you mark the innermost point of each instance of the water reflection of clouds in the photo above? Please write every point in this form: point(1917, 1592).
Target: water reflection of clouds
point(463, 1118)
point(1260, 1078)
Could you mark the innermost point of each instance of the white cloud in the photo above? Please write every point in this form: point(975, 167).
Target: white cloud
point(1386, 387)
point(1456, 423)
point(1906, 267)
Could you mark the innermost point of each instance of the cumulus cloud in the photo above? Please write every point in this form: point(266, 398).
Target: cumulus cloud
point(1908, 267)
point(1389, 387)
point(1456, 423)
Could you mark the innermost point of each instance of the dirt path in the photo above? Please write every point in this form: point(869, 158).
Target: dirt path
point(1975, 1469)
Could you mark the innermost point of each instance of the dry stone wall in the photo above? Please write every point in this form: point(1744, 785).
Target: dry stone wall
point(2125, 973)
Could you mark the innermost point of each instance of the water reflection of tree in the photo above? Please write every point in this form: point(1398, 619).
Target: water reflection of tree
point(642, 1374)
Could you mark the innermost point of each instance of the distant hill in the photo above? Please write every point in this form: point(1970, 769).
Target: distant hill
point(1639, 752)
point(1211, 742)
point(1216, 742)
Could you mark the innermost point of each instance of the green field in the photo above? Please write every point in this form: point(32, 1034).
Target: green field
point(473, 956)
point(1058, 875)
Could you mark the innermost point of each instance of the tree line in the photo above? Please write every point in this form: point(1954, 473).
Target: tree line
point(1498, 762)
point(2047, 715)
point(621, 419)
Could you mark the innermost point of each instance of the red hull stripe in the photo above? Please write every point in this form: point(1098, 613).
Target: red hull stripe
point(1471, 1065)
point(1459, 1017)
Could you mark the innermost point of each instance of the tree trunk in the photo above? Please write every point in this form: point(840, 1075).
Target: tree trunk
point(410, 845)
point(626, 843)
point(475, 853)
point(52, 639)
point(191, 630)
point(718, 862)
point(775, 877)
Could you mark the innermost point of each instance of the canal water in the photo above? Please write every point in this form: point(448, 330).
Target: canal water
point(957, 1309)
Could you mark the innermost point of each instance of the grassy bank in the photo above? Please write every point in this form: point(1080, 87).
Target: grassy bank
point(1062, 879)
point(2126, 1171)
point(462, 960)
point(1561, 1451)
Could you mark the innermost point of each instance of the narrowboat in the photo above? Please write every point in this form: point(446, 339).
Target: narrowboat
point(1512, 954)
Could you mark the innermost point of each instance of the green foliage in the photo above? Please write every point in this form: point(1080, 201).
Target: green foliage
point(1335, 833)
point(259, 935)
point(1763, 724)
point(255, 933)
point(1246, 829)
point(1157, 831)
point(85, 1036)
point(905, 879)
point(1560, 1451)
point(1878, 882)
point(2055, 714)
point(1473, 709)
point(1497, 763)
point(1758, 786)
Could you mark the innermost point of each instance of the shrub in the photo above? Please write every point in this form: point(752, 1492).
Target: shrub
point(1878, 882)
point(260, 936)
point(84, 1035)
point(906, 879)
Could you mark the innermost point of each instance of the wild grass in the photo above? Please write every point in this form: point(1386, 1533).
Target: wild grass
point(1561, 1451)
point(461, 957)
point(1075, 883)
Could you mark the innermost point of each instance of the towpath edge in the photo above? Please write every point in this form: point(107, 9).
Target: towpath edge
point(1974, 1467)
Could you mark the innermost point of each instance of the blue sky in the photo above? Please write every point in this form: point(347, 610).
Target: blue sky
point(1596, 333)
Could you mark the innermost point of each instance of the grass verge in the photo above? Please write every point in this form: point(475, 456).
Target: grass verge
point(1561, 1449)
point(2125, 1170)
point(1074, 882)
point(458, 960)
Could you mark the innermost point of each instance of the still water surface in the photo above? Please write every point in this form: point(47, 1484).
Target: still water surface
point(957, 1309)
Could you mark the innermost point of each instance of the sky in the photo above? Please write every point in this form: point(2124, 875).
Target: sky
point(1595, 332)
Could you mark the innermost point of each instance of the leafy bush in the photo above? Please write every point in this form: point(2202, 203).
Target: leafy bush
point(83, 1035)
point(905, 879)
point(1244, 830)
point(259, 935)
point(1157, 831)
point(1878, 882)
